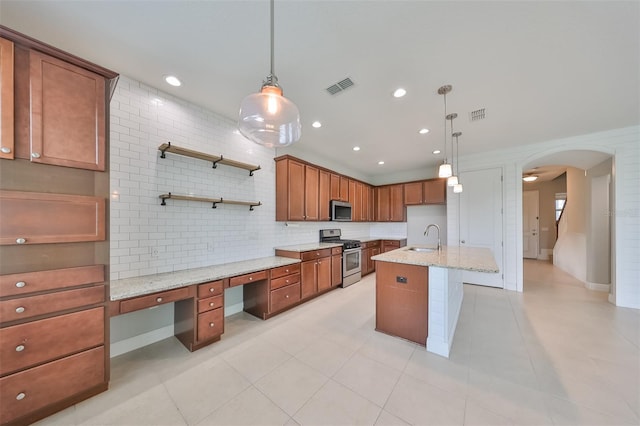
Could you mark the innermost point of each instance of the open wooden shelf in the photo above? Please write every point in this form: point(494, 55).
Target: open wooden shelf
point(214, 201)
point(215, 159)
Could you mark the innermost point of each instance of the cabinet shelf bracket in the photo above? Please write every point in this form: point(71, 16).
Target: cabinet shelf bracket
point(253, 170)
point(162, 152)
point(254, 205)
point(215, 163)
point(163, 198)
point(215, 203)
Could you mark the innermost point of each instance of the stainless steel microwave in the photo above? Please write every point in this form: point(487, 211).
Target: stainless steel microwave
point(340, 211)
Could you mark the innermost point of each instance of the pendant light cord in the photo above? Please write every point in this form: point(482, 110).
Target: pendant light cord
point(445, 127)
point(272, 55)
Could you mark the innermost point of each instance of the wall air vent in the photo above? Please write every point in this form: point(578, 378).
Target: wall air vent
point(340, 86)
point(479, 114)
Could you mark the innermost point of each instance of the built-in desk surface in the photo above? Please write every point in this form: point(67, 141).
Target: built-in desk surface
point(147, 284)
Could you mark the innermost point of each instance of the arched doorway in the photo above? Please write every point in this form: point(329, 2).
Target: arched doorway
point(585, 235)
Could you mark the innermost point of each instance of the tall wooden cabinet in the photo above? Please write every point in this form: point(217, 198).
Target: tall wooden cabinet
point(54, 190)
point(390, 203)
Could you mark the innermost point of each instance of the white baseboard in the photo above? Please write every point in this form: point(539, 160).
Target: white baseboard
point(545, 254)
point(597, 287)
point(135, 342)
point(612, 299)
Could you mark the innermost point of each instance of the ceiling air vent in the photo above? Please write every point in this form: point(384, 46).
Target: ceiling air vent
point(340, 86)
point(479, 114)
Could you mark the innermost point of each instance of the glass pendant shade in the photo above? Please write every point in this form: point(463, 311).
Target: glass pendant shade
point(452, 180)
point(445, 170)
point(457, 188)
point(269, 119)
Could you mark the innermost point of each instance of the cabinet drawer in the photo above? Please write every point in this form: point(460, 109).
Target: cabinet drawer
point(213, 288)
point(35, 388)
point(336, 250)
point(35, 342)
point(315, 254)
point(283, 297)
point(27, 307)
point(210, 303)
point(155, 299)
point(26, 218)
point(285, 270)
point(390, 243)
point(31, 282)
point(370, 244)
point(248, 278)
point(285, 281)
point(210, 324)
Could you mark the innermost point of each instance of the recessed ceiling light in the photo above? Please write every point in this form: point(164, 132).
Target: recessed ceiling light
point(423, 131)
point(356, 148)
point(316, 124)
point(436, 151)
point(173, 80)
point(400, 92)
point(380, 163)
point(530, 178)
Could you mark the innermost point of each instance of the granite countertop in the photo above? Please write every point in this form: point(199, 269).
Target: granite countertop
point(465, 258)
point(138, 286)
point(367, 239)
point(308, 246)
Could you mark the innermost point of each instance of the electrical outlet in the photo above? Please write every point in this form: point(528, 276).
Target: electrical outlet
point(154, 252)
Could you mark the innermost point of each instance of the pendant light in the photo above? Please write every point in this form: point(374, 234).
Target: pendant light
point(453, 179)
point(457, 188)
point(268, 118)
point(445, 170)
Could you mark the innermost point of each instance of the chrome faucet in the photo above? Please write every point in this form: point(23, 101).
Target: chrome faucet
point(426, 232)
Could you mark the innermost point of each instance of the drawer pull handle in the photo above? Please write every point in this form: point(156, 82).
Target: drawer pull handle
point(159, 299)
point(286, 281)
point(20, 309)
point(35, 155)
point(286, 270)
point(212, 304)
point(21, 240)
point(286, 296)
point(211, 290)
point(250, 278)
point(20, 284)
point(19, 348)
point(5, 150)
point(20, 396)
point(212, 324)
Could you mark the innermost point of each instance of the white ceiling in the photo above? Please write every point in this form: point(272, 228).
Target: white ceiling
point(542, 70)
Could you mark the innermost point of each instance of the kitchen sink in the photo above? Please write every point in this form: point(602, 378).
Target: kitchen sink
point(422, 249)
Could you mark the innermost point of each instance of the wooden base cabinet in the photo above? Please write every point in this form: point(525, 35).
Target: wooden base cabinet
point(53, 348)
point(369, 249)
point(402, 301)
point(316, 274)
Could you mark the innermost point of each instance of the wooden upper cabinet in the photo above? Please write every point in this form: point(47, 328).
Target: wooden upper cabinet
point(335, 187)
point(68, 114)
point(324, 194)
point(432, 191)
point(396, 205)
point(435, 191)
point(311, 193)
point(413, 193)
point(344, 188)
point(6, 99)
point(383, 213)
point(289, 190)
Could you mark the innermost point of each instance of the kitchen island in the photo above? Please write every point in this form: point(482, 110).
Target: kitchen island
point(419, 292)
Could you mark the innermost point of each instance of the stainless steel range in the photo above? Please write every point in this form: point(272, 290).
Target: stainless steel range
point(351, 255)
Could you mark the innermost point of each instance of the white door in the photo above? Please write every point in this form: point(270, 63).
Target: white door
point(481, 220)
point(530, 222)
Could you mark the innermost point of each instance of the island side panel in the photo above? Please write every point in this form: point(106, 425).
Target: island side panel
point(445, 301)
point(402, 308)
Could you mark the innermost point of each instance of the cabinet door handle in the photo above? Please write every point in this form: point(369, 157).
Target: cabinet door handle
point(19, 348)
point(286, 296)
point(212, 304)
point(212, 324)
point(5, 150)
point(20, 284)
point(159, 299)
point(20, 309)
point(21, 240)
point(35, 155)
point(286, 270)
point(211, 290)
point(20, 396)
point(286, 281)
point(250, 278)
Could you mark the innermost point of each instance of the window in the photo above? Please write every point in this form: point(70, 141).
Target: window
point(561, 199)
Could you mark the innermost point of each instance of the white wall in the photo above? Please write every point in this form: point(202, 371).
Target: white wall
point(147, 238)
point(418, 217)
point(624, 145)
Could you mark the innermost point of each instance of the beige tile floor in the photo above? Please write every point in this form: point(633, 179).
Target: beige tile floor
point(555, 354)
